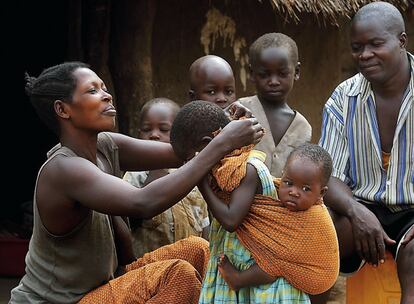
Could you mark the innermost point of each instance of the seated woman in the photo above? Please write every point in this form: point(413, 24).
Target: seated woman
point(78, 237)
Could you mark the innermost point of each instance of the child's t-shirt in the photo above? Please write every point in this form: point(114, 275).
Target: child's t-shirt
point(187, 217)
point(298, 133)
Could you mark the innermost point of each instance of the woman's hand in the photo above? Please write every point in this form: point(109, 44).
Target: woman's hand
point(239, 133)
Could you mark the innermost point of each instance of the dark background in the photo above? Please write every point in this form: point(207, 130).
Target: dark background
point(36, 37)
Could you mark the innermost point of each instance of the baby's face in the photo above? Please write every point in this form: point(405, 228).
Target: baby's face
point(156, 123)
point(301, 186)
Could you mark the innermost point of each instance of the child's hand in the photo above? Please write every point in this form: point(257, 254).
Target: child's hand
point(236, 110)
point(240, 133)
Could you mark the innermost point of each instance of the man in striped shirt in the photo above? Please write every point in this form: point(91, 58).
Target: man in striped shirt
point(368, 128)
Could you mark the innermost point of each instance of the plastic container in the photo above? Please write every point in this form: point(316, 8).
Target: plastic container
point(374, 285)
point(12, 254)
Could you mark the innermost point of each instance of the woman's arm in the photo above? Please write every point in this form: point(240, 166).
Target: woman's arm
point(139, 155)
point(79, 180)
point(232, 215)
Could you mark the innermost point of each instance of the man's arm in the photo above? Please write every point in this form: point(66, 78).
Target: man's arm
point(368, 235)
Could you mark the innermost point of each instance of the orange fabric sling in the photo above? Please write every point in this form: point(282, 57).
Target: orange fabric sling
point(302, 246)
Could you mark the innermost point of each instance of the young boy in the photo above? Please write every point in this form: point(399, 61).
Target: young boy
point(251, 226)
point(212, 79)
point(187, 217)
point(274, 67)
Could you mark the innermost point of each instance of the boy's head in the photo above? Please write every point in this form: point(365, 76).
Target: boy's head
point(274, 66)
point(305, 177)
point(156, 119)
point(194, 125)
point(212, 79)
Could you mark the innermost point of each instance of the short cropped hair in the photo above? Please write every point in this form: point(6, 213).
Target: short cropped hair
point(317, 155)
point(194, 121)
point(159, 100)
point(54, 83)
point(387, 13)
point(272, 40)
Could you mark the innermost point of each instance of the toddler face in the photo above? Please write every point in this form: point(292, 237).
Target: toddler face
point(216, 86)
point(274, 74)
point(156, 123)
point(301, 185)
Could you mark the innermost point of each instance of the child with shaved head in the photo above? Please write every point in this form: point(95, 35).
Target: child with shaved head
point(212, 79)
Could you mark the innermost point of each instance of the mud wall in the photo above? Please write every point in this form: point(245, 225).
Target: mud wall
point(182, 32)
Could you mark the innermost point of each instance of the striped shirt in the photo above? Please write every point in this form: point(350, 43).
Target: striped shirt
point(350, 134)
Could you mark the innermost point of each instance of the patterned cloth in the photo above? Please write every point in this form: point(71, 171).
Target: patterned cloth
point(350, 133)
point(188, 217)
point(215, 289)
point(299, 246)
point(171, 274)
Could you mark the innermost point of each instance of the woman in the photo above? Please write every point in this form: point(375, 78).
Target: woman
point(78, 239)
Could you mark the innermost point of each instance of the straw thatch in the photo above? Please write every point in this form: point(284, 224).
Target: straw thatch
point(327, 10)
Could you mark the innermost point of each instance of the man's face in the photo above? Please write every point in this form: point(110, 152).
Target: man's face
point(376, 50)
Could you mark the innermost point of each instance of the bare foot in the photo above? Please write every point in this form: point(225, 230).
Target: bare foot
point(229, 273)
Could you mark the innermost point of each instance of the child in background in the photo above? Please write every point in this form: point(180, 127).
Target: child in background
point(212, 79)
point(187, 217)
point(274, 67)
point(205, 118)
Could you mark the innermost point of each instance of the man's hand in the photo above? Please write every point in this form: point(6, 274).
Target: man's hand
point(369, 237)
point(239, 133)
point(408, 237)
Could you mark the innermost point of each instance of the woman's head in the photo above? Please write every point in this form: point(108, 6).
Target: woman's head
point(194, 126)
point(156, 119)
point(67, 91)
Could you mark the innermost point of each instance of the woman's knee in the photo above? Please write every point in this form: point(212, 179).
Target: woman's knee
point(198, 245)
point(186, 272)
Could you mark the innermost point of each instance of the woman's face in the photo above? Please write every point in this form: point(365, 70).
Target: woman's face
point(91, 107)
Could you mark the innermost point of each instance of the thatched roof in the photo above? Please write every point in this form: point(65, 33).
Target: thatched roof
point(328, 10)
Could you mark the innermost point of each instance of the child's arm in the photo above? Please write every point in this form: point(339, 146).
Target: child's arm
point(231, 216)
point(123, 241)
point(254, 276)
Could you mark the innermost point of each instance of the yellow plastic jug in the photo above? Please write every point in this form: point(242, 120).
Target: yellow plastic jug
point(372, 285)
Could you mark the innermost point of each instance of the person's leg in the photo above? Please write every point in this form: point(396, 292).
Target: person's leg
point(168, 281)
point(193, 249)
point(405, 268)
point(254, 276)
